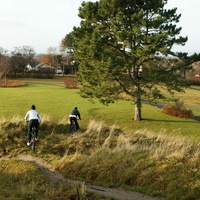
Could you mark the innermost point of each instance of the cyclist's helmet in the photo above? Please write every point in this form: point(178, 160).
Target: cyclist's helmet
point(33, 107)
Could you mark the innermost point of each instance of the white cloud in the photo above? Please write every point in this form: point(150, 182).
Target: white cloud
point(189, 20)
point(44, 23)
point(38, 23)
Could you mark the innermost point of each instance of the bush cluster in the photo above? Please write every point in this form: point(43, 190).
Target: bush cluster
point(11, 83)
point(194, 80)
point(70, 82)
point(33, 74)
point(178, 110)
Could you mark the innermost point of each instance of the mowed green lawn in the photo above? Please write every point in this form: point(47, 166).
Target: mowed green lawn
point(52, 99)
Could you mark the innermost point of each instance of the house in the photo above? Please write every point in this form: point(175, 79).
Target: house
point(28, 68)
point(196, 69)
point(45, 67)
point(70, 69)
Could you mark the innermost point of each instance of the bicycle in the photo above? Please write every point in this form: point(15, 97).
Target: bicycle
point(73, 126)
point(33, 136)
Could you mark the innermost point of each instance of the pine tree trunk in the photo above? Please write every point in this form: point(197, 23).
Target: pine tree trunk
point(138, 114)
point(138, 105)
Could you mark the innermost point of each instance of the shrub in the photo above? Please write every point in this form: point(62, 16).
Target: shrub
point(33, 74)
point(11, 83)
point(194, 80)
point(178, 110)
point(70, 82)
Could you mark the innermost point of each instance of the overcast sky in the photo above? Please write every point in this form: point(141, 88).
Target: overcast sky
point(43, 23)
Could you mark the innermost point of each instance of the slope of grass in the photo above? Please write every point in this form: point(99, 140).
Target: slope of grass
point(158, 155)
point(151, 162)
point(27, 182)
point(155, 163)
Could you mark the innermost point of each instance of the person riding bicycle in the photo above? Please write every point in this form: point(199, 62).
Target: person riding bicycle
point(73, 116)
point(33, 119)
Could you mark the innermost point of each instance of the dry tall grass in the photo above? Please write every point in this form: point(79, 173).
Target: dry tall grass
point(150, 162)
point(159, 163)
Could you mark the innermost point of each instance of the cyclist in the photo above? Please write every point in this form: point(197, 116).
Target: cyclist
point(33, 117)
point(73, 116)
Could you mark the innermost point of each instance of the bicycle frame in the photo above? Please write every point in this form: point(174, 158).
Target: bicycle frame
point(33, 136)
point(73, 126)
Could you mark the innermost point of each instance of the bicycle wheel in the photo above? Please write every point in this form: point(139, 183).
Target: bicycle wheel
point(72, 127)
point(33, 138)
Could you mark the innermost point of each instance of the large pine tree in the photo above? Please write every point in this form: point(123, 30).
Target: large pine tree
point(119, 46)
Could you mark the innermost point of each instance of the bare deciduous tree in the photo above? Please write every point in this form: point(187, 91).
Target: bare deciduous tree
point(4, 66)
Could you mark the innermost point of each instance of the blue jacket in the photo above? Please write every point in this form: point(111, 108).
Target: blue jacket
point(76, 113)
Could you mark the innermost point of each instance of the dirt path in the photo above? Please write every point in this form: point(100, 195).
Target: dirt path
point(55, 176)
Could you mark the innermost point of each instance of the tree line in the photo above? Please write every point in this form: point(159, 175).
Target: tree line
point(15, 62)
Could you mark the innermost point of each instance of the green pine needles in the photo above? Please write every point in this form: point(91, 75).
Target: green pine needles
point(120, 45)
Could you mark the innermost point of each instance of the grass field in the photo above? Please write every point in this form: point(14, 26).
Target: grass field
point(153, 156)
point(55, 102)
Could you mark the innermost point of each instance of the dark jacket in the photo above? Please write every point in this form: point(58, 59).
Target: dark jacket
point(76, 113)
